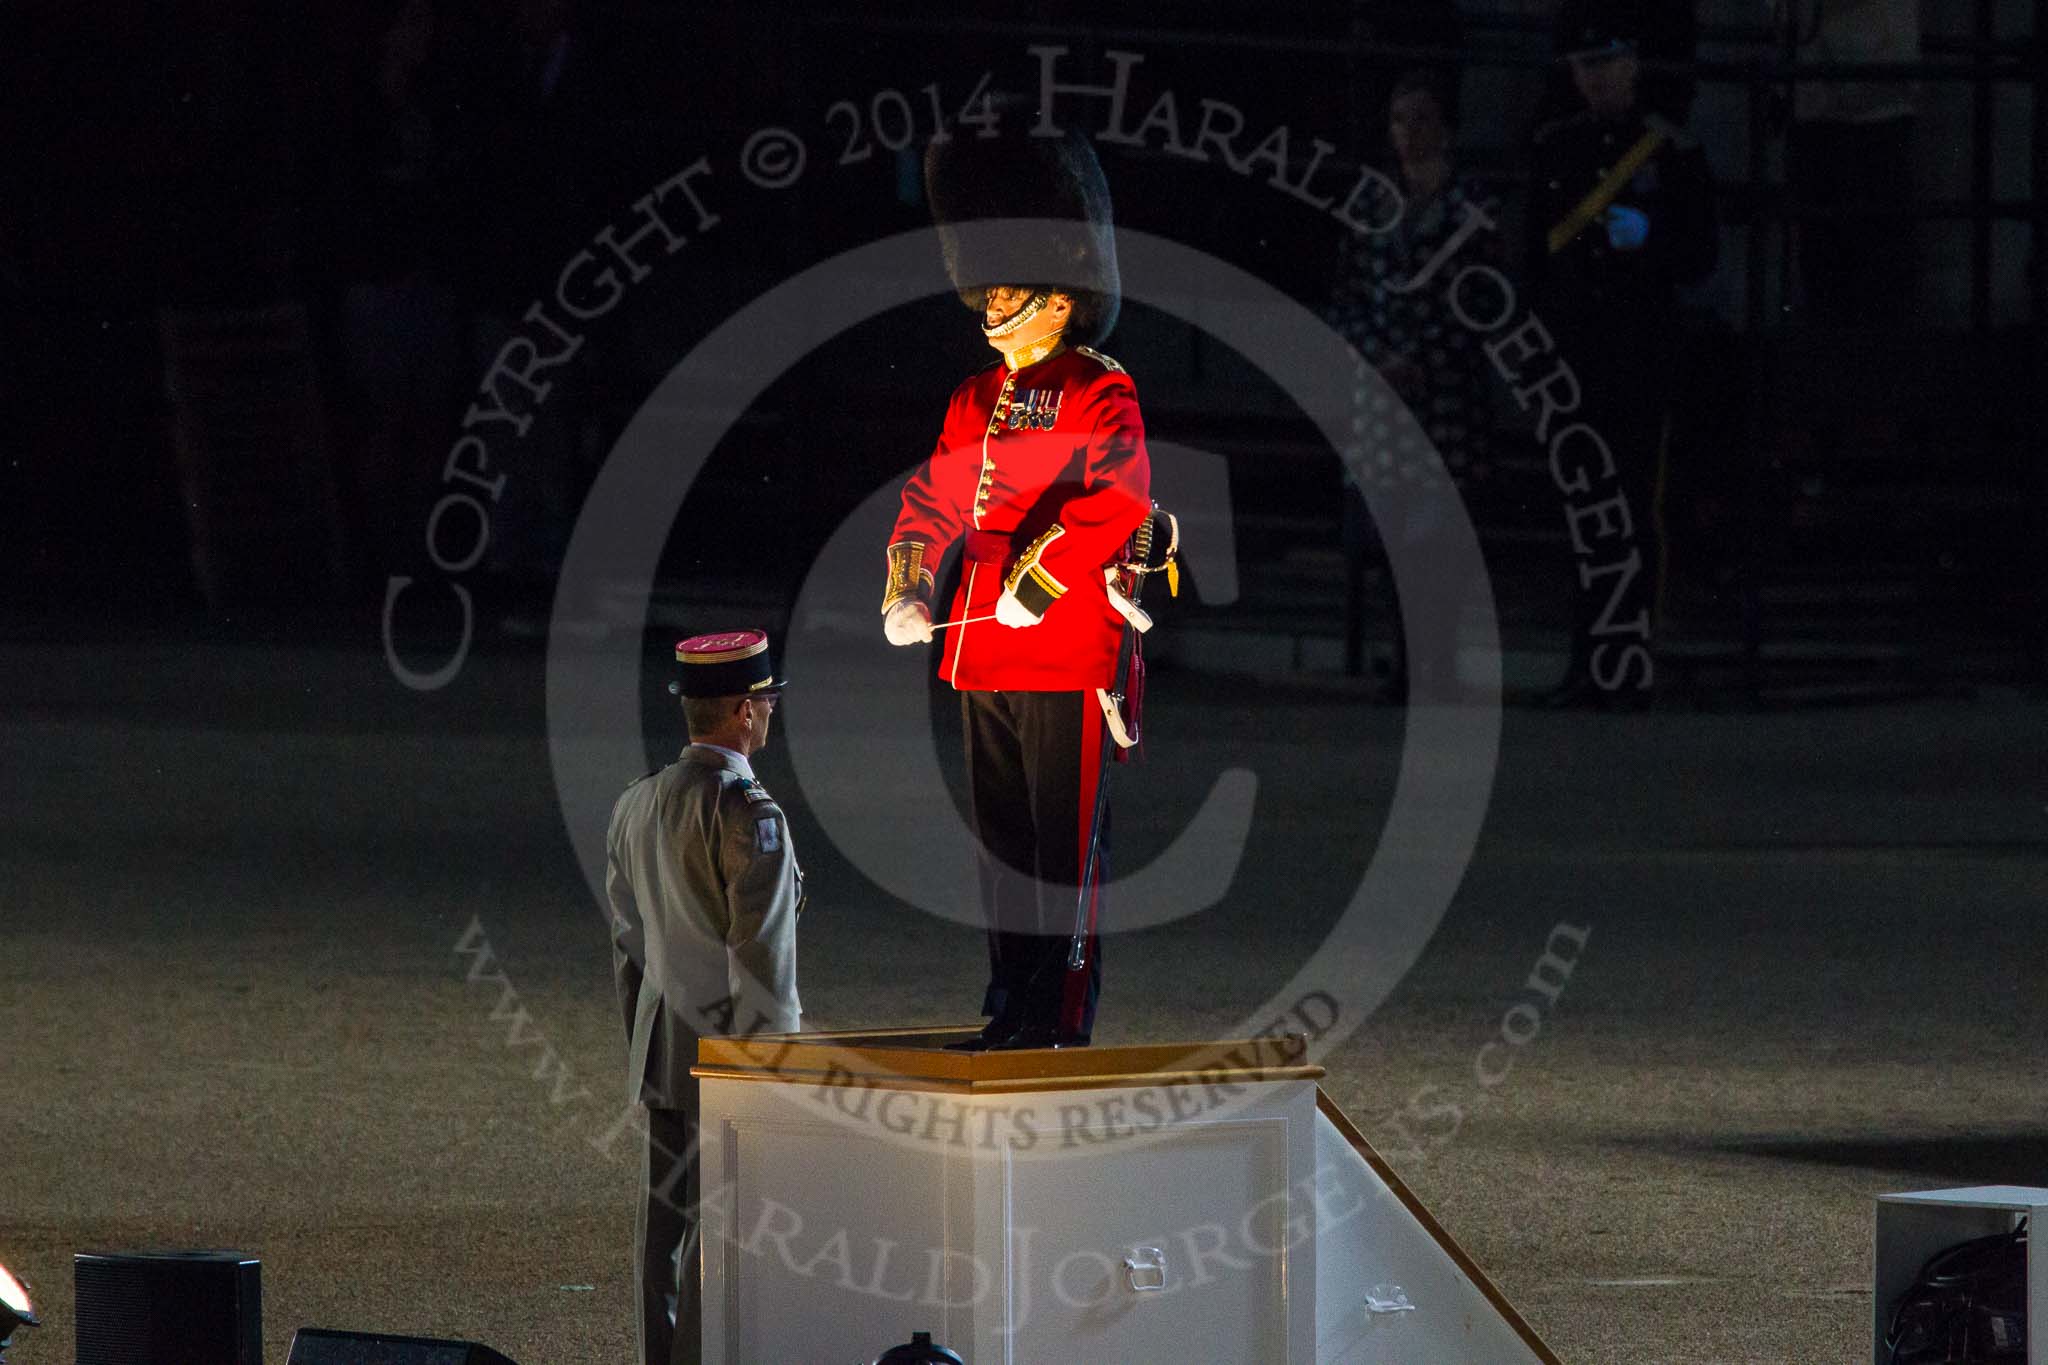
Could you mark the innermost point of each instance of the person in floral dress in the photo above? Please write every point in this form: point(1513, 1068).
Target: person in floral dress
point(1391, 302)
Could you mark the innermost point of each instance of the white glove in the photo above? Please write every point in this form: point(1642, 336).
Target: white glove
point(1627, 228)
point(1013, 613)
point(909, 622)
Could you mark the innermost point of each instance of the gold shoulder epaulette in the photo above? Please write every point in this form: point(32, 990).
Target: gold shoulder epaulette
point(1101, 359)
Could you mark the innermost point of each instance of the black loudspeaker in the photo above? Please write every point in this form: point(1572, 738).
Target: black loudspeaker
point(155, 1307)
point(316, 1346)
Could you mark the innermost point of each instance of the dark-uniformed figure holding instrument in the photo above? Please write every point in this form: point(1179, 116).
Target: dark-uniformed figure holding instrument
point(704, 890)
point(1624, 215)
point(1040, 475)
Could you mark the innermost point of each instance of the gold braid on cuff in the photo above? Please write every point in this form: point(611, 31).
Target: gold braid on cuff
point(1028, 578)
point(908, 577)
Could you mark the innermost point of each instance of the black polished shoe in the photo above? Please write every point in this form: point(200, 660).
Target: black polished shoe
point(1038, 1036)
point(981, 1042)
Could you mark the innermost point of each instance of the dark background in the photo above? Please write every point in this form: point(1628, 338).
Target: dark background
point(171, 165)
point(237, 852)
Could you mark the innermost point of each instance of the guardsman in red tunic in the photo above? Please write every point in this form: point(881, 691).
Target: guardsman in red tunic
point(1040, 476)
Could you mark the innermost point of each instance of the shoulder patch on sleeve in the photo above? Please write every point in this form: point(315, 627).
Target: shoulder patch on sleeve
point(767, 835)
point(1101, 359)
point(743, 797)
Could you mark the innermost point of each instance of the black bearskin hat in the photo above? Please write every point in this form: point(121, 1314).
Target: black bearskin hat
point(969, 178)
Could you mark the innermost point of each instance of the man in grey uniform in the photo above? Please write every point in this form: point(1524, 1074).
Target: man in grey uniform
point(705, 890)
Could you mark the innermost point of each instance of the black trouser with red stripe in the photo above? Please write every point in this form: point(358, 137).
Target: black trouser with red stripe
point(1034, 760)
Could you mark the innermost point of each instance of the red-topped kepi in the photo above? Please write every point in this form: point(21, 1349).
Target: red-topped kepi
point(732, 663)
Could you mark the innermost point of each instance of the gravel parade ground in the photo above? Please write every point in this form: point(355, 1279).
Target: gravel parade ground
point(1808, 970)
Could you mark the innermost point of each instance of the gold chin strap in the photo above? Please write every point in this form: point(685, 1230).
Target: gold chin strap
point(1030, 310)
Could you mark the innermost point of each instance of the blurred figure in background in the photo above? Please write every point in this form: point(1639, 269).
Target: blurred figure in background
point(1389, 303)
point(1622, 215)
point(392, 236)
point(536, 153)
point(1851, 147)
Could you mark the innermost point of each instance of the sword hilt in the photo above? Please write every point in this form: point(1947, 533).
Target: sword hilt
point(1138, 566)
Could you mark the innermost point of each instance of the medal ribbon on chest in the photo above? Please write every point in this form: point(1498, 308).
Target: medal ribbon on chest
point(1035, 410)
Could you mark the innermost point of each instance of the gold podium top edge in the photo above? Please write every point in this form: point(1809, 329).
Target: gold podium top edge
point(916, 1059)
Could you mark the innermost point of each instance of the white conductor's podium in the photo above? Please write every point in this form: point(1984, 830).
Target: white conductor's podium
point(1181, 1204)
